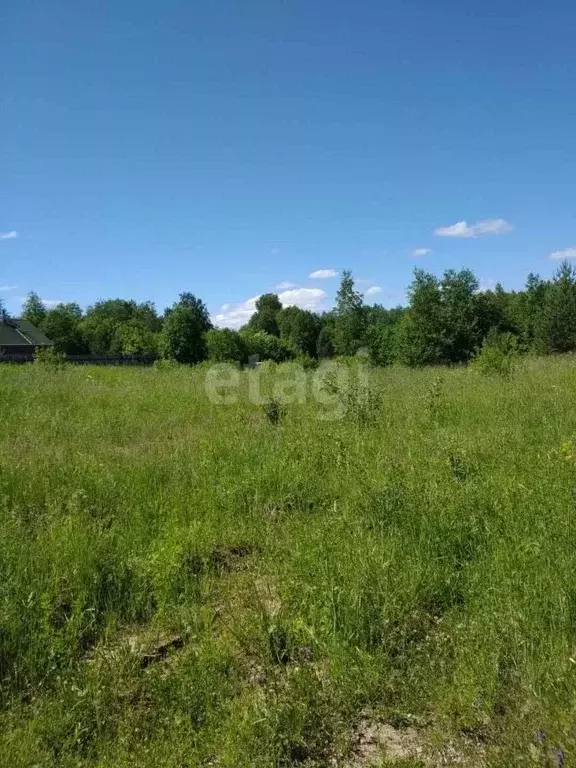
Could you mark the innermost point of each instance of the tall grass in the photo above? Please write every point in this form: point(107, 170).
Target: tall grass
point(414, 558)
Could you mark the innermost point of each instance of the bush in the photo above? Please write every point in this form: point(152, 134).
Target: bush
point(359, 399)
point(50, 357)
point(353, 361)
point(264, 346)
point(498, 355)
point(307, 362)
point(226, 346)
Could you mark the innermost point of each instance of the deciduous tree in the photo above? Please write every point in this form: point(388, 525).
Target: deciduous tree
point(266, 316)
point(558, 329)
point(299, 328)
point(62, 325)
point(225, 345)
point(349, 319)
point(34, 309)
point(183, 333)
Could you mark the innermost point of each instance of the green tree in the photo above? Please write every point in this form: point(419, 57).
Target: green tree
point(324, 345)
point(558, 327)
point(441, 324)
point(187, 299)
point(224, 345)
point(183, 333)
point(146, 314)
point(265, 346)
point(528, 309)
point(495, 312)
point(134, 337)
point(33, 309)
point(266, 316)
point(102, 323)
point(419, 335)
point(349, 317)
point(62, 325)
point(462, 335)
point(299, 328)
point(382, 344)
point(381, 331)
point(102, 320)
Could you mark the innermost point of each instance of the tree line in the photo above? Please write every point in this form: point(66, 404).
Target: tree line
point(446, 321)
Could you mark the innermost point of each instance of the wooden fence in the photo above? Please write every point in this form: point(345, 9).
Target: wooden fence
point(6, 357)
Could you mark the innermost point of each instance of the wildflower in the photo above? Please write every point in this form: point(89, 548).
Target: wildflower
point(540, 736)
point(560, 758)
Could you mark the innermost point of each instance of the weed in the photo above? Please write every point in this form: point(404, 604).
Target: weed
point(358, 397)
point(459, 466)
point(49, 357)
point(434, 399)
point(274, 411)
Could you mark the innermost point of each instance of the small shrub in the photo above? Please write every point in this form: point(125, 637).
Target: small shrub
point(307, 362)
point(49, 357)
point(264, 346)
point(362, 404)
point(274, 411)
point(498, 355)
point(360, 401)
point(434, 398)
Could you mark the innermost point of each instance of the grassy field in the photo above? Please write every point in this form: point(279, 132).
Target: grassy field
point(188, 583)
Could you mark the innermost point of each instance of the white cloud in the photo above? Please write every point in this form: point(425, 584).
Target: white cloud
point(8, 235)
point(305, 298)
point(373, 290)
point(323, 274)
point(285, 286)
point(236, 315)
point(567, 253)
point(6, 288)
point(418, 252)
point(484, 227)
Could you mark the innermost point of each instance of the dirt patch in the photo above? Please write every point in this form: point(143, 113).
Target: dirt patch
point(267, 595)
point(158, 650)
point(228, 559)
point(142, 644)
point(375, 741)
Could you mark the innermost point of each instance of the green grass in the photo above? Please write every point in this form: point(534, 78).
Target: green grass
point(414, 561)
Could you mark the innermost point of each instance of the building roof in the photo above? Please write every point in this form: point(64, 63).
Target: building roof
point(18, 333)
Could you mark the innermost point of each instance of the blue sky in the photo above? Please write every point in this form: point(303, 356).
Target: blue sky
point(226, 148)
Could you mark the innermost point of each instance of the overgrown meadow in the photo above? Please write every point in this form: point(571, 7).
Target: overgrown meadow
point(189, 583)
